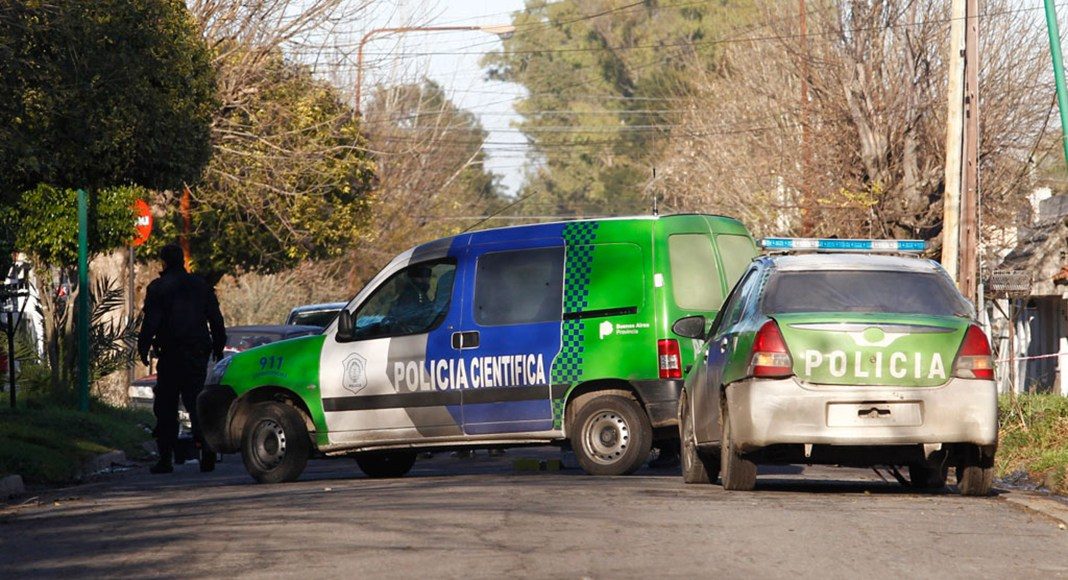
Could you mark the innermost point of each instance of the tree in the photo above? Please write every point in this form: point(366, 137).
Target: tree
point(103, 93)
point(289, 181)
point(603, 79)
point(110, 96)
point(872, 161)
point(290, 177)
point(429, 158)
point(44, 223)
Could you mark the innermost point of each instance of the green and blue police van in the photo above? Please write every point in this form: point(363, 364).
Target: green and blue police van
point(558, 333)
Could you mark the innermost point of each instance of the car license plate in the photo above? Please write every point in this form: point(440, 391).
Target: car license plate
point(874, 414)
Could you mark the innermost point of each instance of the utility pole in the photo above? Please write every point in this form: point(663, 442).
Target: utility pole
point(969, 251)
point(954, 142)
point(808, 217)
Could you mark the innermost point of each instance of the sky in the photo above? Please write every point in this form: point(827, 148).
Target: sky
point(404, 57)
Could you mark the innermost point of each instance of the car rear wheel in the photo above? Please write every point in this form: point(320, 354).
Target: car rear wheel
point(737, 472)
point(275, 445)
point(382, 464)
point(975, 474)
point(610, 433)
point(696, 466)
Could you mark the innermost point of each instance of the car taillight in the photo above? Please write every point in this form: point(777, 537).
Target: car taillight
point(770, 357)
point(667, 350)
point(973, 359)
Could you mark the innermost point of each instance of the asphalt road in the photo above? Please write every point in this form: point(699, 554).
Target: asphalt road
point(479, 517)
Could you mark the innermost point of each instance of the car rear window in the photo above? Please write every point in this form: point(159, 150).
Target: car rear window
point(863, 291)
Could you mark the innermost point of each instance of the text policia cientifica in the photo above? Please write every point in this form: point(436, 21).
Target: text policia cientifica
point(512, 370)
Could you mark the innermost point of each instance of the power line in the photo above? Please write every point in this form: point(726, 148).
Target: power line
point(690, 44)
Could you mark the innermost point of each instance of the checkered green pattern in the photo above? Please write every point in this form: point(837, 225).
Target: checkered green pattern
point(567, 368)
point(558, 413)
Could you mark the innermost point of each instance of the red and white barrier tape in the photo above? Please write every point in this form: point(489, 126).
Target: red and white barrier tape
point(1035, 357)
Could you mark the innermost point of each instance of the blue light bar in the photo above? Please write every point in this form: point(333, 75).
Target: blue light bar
point(840, 245)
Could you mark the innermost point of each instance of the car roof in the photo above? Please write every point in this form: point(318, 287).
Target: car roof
point(317, 307)
point(853, 262)
point(275, 329)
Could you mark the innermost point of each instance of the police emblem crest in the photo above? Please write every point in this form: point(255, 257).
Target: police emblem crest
point(354, 375)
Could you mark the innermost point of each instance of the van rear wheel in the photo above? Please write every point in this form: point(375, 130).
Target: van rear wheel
point(610, 433)
point(275, 445)
point(382, 464)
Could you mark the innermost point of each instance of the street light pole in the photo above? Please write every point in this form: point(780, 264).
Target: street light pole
point(502, 30)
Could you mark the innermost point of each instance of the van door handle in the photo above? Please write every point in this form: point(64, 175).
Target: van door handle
point(465, 340)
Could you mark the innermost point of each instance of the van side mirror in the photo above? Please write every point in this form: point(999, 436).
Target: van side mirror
point(690, 327)
point(345, 332)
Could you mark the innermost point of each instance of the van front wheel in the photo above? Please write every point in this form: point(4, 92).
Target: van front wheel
point(610, 434)
point(275, 445)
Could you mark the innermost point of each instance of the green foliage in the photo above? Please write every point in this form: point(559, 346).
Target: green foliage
point(47, 443)
point(44, 222)
point(112, 340)
point(1034, 439)
point(102, 93)
point(289, 181)
point(579, 59)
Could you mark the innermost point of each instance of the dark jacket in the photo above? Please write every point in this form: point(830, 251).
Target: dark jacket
point(181, 312)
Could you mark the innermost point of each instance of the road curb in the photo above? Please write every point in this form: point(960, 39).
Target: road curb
point(1040, 504)
point(11, 486)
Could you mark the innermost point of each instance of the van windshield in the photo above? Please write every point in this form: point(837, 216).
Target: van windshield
point(863, 291)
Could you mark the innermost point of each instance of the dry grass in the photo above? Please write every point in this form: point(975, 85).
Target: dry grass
point(1034, 439)
point(253, 298)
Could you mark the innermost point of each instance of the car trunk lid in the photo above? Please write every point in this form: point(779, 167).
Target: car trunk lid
point(872, 348)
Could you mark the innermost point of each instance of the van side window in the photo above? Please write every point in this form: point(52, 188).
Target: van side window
point(694, 275)
point(519, 287)
point(412, 301)
point(736, 252)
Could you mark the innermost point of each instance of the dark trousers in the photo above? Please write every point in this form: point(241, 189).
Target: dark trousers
point(180, 373)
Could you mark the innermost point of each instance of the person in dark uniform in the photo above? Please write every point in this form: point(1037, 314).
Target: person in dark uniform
point(412, 305)
point(183, 323)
